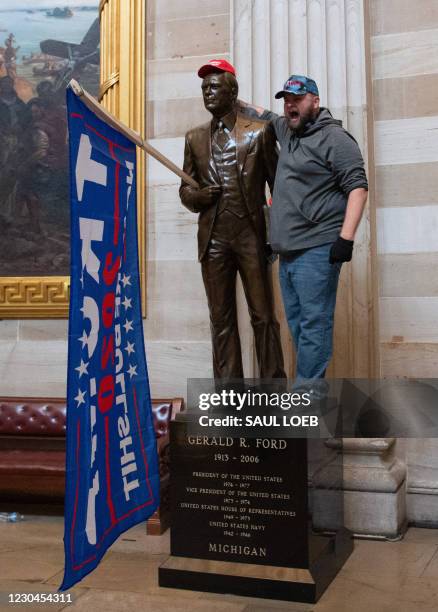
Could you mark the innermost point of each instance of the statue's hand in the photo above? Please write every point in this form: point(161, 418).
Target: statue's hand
point(207, 196)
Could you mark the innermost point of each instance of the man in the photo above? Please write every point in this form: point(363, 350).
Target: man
point(13, 111)
point(232, 158)
point(14, 118)
point(34, 170)
point(319, 196)
point(10, 56)
point(54, 122)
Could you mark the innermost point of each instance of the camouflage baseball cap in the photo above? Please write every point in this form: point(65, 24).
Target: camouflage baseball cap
point(298, 85)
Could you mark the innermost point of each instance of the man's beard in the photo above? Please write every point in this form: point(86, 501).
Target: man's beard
point(305, 118)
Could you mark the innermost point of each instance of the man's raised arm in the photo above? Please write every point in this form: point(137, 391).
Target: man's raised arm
point(255, 112)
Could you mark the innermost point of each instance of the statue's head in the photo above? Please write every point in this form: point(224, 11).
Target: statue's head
point(46, 90)
point(219, 87)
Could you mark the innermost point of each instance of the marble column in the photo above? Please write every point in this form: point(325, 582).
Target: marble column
point(325, 39)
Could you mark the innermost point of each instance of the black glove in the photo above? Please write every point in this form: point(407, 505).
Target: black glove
point(342, 250)
point(269, 253)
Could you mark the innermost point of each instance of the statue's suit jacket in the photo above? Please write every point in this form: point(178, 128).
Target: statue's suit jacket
point(257, 156)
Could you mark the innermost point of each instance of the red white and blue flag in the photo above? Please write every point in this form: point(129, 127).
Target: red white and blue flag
point(112, 476)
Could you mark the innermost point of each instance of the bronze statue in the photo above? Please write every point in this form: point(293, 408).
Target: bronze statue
point(232, 157)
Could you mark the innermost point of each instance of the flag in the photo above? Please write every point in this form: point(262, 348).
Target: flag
point(112, 475)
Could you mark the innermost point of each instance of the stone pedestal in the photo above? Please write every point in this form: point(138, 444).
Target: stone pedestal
point(240, 519)
point(422, 488)
point(374, 485)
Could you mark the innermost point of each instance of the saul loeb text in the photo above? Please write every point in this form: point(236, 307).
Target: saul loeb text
point(272, 420)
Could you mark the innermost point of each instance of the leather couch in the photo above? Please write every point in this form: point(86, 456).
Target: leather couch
point(32, 454)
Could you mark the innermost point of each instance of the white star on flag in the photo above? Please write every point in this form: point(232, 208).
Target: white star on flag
point(83, 339)
point(130, 348)
point(80, 397)
point(128, 326)
point(126, 280)
point(132, 370)
point(127, 303)
point(82, 368)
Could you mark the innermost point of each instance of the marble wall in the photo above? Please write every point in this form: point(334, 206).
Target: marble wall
point(404, 66)
point(181, 37)
point(404, 70)
point(33, 358)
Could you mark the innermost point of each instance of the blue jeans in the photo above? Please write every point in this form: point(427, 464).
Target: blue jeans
point(308, 285)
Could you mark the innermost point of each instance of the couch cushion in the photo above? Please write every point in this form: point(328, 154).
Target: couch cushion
point(48, 418)
point(32, 418)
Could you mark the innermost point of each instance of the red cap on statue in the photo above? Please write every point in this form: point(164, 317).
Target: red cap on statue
point(216, 65)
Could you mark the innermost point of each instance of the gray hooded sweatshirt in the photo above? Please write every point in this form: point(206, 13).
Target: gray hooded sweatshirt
point(316, 171)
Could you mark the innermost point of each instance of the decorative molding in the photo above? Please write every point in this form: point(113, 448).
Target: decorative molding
point(110, 82)
point(123, 90)
point(39, 297)
point(102, 5)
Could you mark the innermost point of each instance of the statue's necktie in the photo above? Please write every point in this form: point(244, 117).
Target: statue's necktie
point(222, 136)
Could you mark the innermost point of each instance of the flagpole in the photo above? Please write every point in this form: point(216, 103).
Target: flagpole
point(133, 136)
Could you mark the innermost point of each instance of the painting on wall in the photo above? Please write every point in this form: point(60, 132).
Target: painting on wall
point(43, 44)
